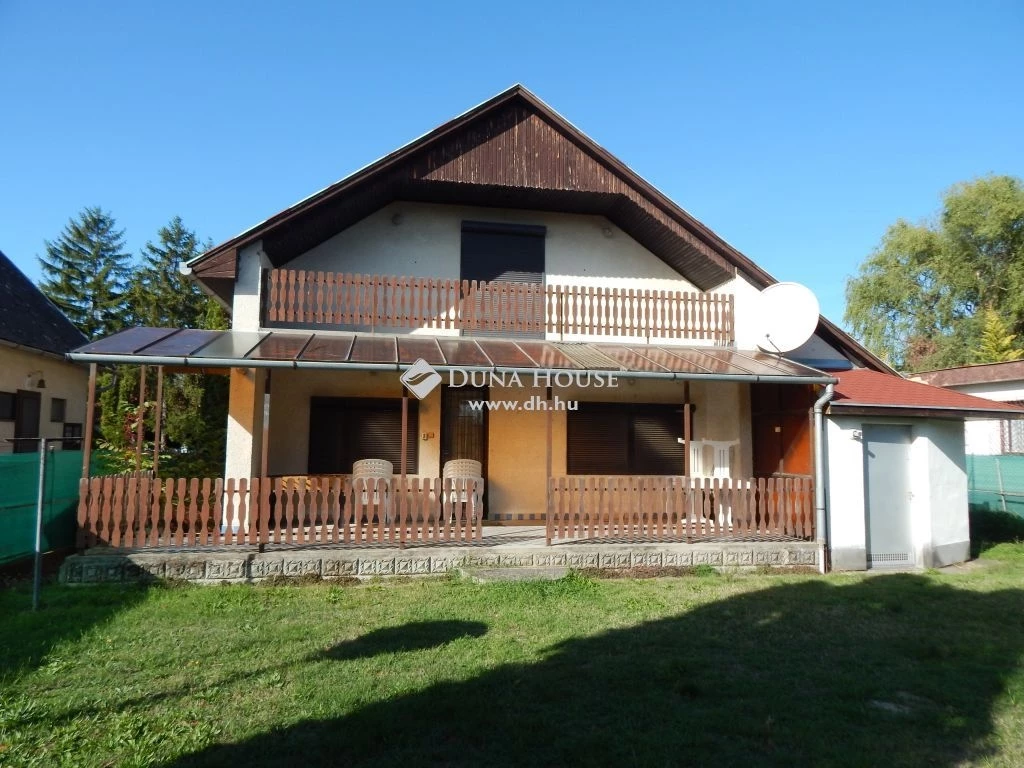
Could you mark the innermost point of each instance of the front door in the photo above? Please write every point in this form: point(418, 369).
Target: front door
point(26, 420)
point(887, 495)
point(464, 428)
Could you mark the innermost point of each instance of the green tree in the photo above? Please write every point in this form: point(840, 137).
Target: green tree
point(163, 297)
point(195, 405)
point(917, 298)
point(85, 272)
point(997, 344)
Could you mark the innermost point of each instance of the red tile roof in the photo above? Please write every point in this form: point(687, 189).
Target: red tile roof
point(871, 388)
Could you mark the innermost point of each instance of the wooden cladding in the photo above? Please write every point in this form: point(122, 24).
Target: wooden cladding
point(679, 508)
point(140, 512)
point(382, 302)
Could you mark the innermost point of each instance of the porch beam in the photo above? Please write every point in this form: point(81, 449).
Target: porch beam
point(265, 436)
point(686, 429)
point(140, 424)
point(405, 435)
point(159, 419)
point(90, 417)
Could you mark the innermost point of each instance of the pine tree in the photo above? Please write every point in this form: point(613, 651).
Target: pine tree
point(85, 272)
point(997, 342)
point(195, 405)
point(163, 297)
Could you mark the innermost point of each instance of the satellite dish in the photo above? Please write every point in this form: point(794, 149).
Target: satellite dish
point(787, 315)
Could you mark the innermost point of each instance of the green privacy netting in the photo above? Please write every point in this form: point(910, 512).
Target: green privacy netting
point(19, 476)
point(996, 482)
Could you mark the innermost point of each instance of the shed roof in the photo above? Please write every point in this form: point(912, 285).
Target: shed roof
point(865, 390)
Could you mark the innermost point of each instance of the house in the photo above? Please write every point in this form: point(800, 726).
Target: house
point(42, 394)
point(505, 294)
point(1002, 382)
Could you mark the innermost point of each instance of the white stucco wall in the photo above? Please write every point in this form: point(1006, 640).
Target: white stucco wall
point(983, 437)
point(63, 380)
point(938, 482)
point(245, 308)
point(1002, 391)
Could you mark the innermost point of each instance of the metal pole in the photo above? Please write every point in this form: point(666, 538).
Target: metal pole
point(999, 479)
point(37, 575)
point(820, 457)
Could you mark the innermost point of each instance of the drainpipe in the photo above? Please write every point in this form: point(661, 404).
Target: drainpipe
point(819, 474)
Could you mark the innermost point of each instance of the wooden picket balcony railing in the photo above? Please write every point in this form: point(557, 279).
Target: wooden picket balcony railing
point(380, 302)
point(679, 508)
point(134, 512)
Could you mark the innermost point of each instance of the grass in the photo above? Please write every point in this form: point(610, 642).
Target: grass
point(901, 670)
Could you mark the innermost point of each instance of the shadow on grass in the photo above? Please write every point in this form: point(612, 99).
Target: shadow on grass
point(894, 670)
point(990, 527)
point(414, 636)
point(27, 638)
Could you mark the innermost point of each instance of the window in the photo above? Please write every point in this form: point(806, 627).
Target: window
point(343, 430)
point(1011, 433)
point(58, 406)
point(625, 439)
point(1011, 436)
point(511, 253)
point(6, 406)
point(72, 431)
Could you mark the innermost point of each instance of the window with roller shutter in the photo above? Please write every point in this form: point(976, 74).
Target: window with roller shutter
point(624, 439)
point(343, 430)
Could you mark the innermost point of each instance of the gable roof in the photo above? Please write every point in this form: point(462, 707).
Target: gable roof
point(985, 373)
point(28, 318)
point(868, 391)
point(479, 158)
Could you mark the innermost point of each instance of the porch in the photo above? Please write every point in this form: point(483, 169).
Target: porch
point(140, 512)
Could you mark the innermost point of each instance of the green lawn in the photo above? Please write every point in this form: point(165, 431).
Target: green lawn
point(908, 669)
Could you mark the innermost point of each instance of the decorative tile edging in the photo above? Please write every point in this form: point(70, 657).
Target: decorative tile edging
point(218, 568)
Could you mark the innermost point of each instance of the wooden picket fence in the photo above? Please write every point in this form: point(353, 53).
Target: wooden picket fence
point(141, 512)
point(381, 302)
point(679, 508)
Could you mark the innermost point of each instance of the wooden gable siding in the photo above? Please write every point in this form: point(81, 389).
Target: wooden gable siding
point(511, 157)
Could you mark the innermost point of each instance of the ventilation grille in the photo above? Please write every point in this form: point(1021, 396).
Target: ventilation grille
point(889, 557)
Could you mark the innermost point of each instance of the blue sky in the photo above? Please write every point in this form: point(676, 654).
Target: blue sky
point(797, 132)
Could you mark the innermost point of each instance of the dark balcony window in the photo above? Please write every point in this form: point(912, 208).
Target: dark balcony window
point(625, 439)
point(343, 430)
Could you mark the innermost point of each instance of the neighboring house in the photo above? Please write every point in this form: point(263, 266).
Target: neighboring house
point(41, 393)
point(524, 262)
point(1002, 382)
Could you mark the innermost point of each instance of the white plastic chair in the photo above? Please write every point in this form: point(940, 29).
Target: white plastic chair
point(378, 472)
point(465, 469)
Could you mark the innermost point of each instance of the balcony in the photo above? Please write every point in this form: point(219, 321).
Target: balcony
point(307, 299)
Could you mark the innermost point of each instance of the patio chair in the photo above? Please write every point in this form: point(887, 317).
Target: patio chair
point(465, 469)
point(378, 473)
